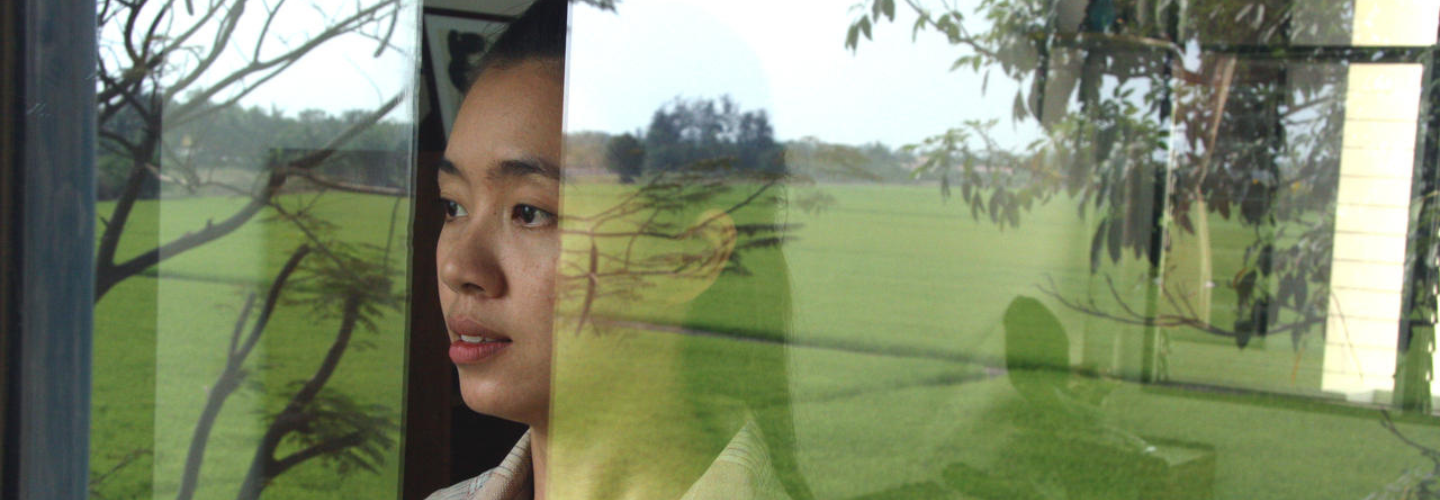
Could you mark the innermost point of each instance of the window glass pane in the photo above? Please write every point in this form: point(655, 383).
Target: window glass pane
point(996, 250)
point(253, 197)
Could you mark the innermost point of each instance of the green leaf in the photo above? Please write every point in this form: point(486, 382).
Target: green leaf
point(865, 27)
point(852, 38)
point(959, 61)
point(1245, 286)
point(994, 208)
point(1095, 244)
point(1266, 259)
point(1243, 330)
point(1285, 290)
point(889, 8)
point(1302, 293)
point(1116, 232)
point(1260, 316)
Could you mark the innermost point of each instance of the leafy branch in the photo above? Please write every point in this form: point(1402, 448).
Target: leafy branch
point(149, 61)
point(1144, 153)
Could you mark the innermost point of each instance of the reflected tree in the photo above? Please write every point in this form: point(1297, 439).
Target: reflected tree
point(625, 156)
point(1158, 114)
point(169, 68)
point(697, 230)
point(688, 131)
point(327, 425)
point(1421, 483)
point(659, 232)
point(167, 64)
point(700, 164)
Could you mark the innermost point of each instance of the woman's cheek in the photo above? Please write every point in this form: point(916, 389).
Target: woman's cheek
point(442, 252)
point(547, 261)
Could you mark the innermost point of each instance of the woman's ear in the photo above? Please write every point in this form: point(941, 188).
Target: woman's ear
point(717, 231)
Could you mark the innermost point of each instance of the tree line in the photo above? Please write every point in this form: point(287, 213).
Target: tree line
point(683, 132)
point(241, 139)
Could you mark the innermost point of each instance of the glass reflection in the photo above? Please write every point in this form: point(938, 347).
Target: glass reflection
point(661, 276)
point(1049, 249)
point(252, 171)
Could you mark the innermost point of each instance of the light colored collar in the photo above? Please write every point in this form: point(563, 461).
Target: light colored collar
point(741, 471)
point(512, 479)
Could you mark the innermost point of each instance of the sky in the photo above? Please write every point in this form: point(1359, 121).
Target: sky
point(343, 74)
point(787, 57)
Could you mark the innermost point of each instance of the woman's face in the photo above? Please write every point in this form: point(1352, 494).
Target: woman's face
point(498, 248)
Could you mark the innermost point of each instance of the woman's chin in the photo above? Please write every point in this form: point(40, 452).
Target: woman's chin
point(483, 396)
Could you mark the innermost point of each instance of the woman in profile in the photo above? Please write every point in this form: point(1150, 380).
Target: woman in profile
point(631, 434)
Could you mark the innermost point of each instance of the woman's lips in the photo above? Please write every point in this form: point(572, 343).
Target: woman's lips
point(475, 342)
point(464, 353)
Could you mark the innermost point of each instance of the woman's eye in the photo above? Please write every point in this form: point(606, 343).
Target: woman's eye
point(532, 217)
point(452, 209)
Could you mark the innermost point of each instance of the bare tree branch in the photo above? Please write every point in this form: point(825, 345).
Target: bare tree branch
point(1132, 317)
point(173, 121)
point(264, 466)
point(98, 479)
point(359, 18)
point(346, 186)
point(265, 28)
point(233, 374)
point(108, 274)
point(318, 450)
point(155, 23)
point(227, 27)
point(130, 21)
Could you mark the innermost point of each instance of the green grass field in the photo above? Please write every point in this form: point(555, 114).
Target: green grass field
point(894, 350)
point(160, 341)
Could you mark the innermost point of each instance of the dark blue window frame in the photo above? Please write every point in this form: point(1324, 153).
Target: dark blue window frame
point(48, 225)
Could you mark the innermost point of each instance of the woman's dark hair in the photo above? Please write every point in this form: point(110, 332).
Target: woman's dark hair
point(537, 35)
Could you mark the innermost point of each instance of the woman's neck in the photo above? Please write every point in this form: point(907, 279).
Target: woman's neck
point(625, 455)
point(626, 428)
point(539, 442)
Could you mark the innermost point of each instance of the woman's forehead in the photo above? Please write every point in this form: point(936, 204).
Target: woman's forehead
point(519, 167)
point(510, 120)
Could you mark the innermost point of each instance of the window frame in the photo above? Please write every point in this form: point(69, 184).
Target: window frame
point(47, 208)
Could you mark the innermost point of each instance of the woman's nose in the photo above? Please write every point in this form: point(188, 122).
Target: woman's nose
point(468, 262)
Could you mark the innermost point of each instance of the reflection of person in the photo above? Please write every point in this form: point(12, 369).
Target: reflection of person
point(465, 52)
point(497, 258)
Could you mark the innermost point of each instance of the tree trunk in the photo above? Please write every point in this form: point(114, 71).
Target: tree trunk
point(264, 467)
point(106, 274)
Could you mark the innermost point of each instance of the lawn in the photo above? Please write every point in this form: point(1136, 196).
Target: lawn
point(893, 359)
point(160, 343)
point(895, 356)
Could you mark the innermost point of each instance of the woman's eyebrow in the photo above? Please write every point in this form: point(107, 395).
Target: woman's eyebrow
point(448, 167)
point(525, 167)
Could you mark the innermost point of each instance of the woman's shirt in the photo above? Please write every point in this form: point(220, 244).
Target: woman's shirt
point(742, 471)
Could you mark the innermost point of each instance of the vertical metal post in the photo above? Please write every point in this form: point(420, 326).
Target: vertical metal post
point(49, 226)
point(9, 164)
